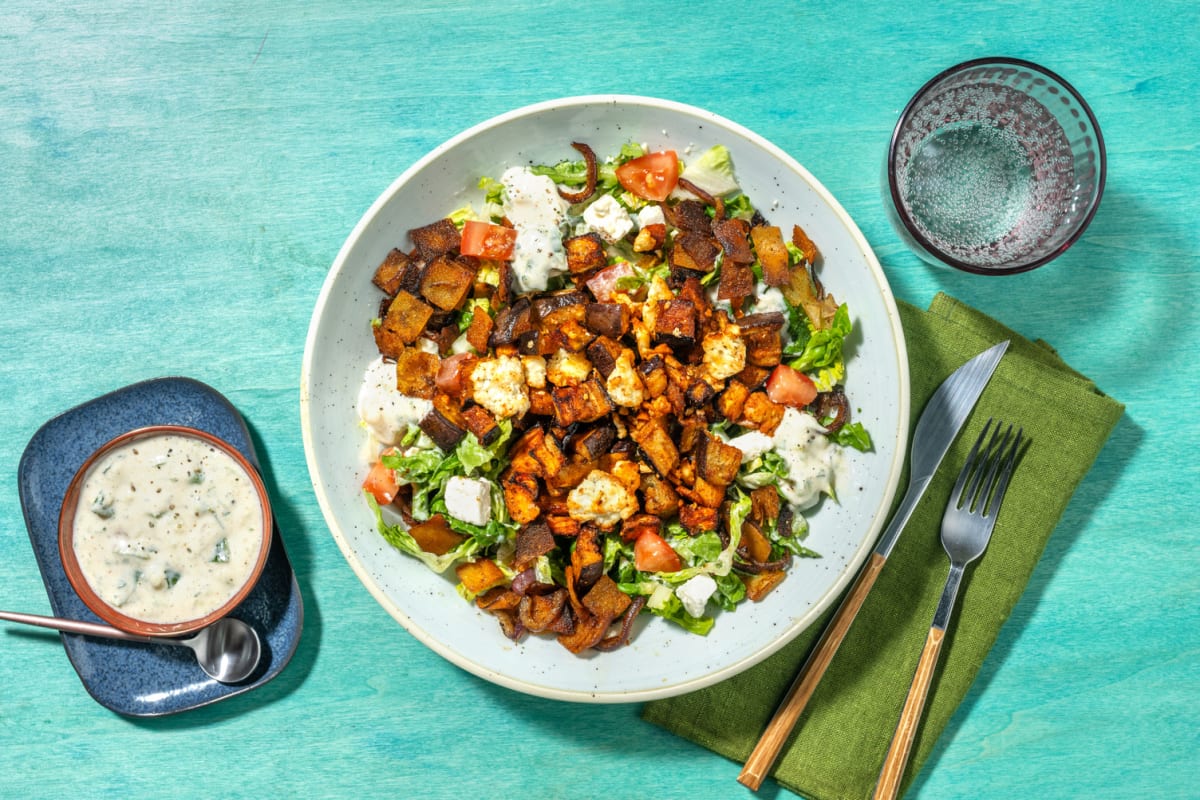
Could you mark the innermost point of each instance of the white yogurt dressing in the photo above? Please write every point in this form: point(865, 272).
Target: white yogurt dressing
point(383, 409)
point(533, 206)
point(812, 460)
point(168, 528)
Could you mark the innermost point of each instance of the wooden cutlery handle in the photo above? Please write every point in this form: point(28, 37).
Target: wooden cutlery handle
point(888, 785)
point(762, 758)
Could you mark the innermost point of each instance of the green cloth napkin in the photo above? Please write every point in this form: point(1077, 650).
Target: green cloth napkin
point(839, 745)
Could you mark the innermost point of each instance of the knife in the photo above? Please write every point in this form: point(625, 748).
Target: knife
point(939, 424)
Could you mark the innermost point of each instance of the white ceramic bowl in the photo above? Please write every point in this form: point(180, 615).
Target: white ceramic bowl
point(662, 659)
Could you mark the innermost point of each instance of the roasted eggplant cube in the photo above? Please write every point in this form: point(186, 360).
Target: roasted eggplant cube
point(447, 282)
point(698, 394)
point(656, 445)
point(595, 442)
point(533, 541)
point(435, 535)
point(444, 432)
point(436, 239)
point(717, 462)
point(763, 337)
point(603, 353)
point(521, 496)
point(480, 422)
point(586, 402)
point(607, 319)
point(587, 557)
point(416, 373)
point(653, 372)
point(390, 273)
point(585, 253)
point(676, 323)
point(511, 322)
point(730, 401)
point(403, 324)
point(658, 497)
point(547, 304)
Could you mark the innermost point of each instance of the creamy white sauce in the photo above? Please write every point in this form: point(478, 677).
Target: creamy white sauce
point(537, 212)
point(383, 409)
point(812, 460)
point(168, 528)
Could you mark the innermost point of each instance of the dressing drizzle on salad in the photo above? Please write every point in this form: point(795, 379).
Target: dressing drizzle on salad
point(607, 405)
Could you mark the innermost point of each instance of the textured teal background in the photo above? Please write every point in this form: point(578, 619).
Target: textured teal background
point(175, 180)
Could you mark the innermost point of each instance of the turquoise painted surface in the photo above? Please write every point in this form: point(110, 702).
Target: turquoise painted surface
point(176, 179)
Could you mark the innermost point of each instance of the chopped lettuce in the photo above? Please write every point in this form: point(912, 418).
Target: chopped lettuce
point(428, 470)
point(853, 434)
point(574, 172)
point(712, 171)
point(824, 347)
point(766, 470)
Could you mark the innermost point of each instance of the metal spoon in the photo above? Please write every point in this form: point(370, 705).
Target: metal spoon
point(228, 650)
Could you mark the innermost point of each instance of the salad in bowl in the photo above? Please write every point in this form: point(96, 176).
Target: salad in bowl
point(609, 387)
point(605, 399)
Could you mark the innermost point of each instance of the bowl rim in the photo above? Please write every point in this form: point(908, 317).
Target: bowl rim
point(894, 189)
point(482, 670)
point(74, 572)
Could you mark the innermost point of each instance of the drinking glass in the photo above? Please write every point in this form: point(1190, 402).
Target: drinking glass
point(996, 166)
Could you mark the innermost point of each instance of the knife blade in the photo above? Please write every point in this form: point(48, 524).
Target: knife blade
point(937, 428)
point(939, 424)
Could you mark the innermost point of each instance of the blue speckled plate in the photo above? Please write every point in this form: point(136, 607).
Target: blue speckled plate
point(126, 677)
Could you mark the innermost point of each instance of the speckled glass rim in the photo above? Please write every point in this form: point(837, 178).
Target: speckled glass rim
point(76, 577)
point(912, 228)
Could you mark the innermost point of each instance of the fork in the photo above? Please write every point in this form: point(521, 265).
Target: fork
point(966, 528)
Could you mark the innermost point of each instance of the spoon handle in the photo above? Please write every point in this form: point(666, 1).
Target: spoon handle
point(73, 626)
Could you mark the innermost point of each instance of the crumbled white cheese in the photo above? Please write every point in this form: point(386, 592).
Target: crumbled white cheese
point(694, 593)
point(499, 386)
point(651, 215)
point(568, 369)
point(601, 499)
point(624, 385)
point(535, 371)
point(608, 218)
point(469, 499)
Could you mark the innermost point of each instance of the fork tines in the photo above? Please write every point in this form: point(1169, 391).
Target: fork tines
point(983, 463)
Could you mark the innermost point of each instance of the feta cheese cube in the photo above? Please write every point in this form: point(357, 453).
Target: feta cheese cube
point(694, 593)
point(608, 218)
point(469, 499)
point(651, 215)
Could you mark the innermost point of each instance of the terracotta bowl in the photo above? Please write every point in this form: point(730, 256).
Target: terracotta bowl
point(75, 574)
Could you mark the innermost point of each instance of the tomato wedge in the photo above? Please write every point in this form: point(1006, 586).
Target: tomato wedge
point(651, 553)
point(381, 482)
point(485, 240)
point(652, 176)
point(790, 387)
